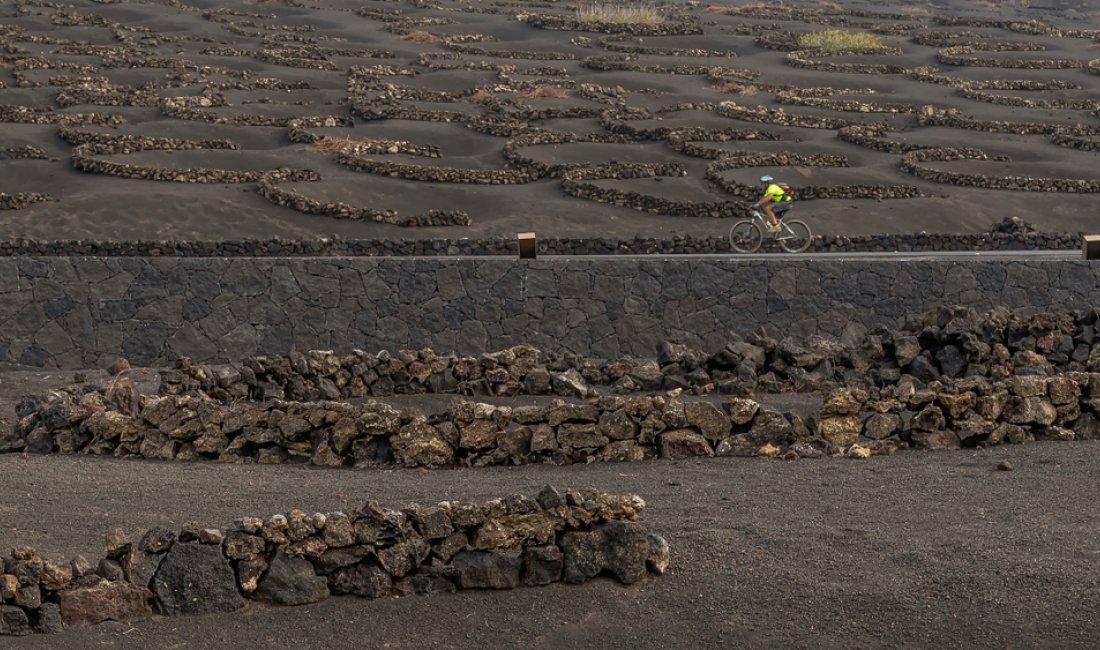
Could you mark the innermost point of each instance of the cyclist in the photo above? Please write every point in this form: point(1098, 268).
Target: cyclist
point(776, 200)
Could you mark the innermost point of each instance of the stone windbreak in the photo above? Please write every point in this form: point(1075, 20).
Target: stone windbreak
point(298, 558)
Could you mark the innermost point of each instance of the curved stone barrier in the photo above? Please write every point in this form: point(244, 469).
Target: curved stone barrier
point(572, 24)
point(627, 44)
point(31, 115)
point(370, 552)
point(269, 188)
point(963, 56)
point(912, 163)
point(813, 59)
point(1008, 100)
point(87, 158)
point(802, 192)
point(930, 74)
point(952, 118)
point(185, 108)
point(848, 106)
point(21, 200)
point(577, 183)
point(779, 117)
point(26, 152)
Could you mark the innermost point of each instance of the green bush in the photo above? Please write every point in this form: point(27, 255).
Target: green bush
point(635, 13)
point(838, 39)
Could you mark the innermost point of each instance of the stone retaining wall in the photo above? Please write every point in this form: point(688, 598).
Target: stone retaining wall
point(85, 312)
point(297, 558)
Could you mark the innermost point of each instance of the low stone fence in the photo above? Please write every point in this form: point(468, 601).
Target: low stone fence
point(297, 558)
point(941, 413)
point(950, 342)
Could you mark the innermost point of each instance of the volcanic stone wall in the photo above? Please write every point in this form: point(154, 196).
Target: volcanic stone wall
point(84, 312)
point(298, 558)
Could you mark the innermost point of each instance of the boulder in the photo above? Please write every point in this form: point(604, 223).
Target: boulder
point(621, 547)
point(742, 409)
point(684, 443)
point(105, 601)
point(841, 431)
point(404, 557)
point(487, 569)
point(516, 530)
point(711, 422)
point(419, 444)
point(291, 581)
point(542, 565)
point(1030, 410)
point(13, 621)
point(195, 579)
point(365, 579)
point(882, 425)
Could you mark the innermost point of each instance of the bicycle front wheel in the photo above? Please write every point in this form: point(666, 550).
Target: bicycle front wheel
point(746, 237)
point(795, 237)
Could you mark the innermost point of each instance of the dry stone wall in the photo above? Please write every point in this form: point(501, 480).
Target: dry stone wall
point(298, 558)
point(84, 312)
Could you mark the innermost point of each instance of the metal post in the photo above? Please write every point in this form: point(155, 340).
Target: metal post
point(1092, 247)
point(527, 245)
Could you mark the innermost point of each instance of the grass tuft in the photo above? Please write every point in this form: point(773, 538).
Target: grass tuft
point(621, 12)
point(836, 40)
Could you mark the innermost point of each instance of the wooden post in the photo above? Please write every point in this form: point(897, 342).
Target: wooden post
point(527, 245)
point(1092, 247)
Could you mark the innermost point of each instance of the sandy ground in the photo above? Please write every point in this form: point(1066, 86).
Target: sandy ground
point(95, 206)
point(919, 550)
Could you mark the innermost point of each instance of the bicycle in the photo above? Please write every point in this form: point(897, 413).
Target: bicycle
point(746, 236)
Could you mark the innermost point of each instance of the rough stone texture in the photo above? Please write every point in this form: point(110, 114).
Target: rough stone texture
point(106, 601)
point(488, 569)
point(480, 304)
point(292, 581)
point(196, 579)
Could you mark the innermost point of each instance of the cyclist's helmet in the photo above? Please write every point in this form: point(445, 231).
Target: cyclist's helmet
point(766, 179)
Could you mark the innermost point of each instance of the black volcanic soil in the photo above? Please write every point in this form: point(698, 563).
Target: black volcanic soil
point(916, 550)
point(95, 206)
point(919, 550)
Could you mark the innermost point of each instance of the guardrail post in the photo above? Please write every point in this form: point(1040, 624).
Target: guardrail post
point(1092, 247)
point(527, 245)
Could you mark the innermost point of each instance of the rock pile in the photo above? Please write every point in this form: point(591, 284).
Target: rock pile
point(370, 552)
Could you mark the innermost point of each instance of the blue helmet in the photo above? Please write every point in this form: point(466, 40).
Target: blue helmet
point(766, 179)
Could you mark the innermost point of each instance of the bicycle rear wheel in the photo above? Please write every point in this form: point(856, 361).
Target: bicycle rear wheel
point(795, 237)
point(746, 237)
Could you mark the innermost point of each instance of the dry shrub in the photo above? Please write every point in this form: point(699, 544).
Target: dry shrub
point(716, 9)
point(828, 5)
point(481, 96)
point(753, 6)
point(735, 88)
point(331, 146)
point(985, 4)
point(421, 36)
point(622, 12)
point(549, 92)
point(840, 40)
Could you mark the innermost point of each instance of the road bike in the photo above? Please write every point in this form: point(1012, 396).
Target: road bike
point(746, 236)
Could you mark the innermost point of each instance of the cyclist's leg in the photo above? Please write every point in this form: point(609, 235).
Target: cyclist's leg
point(779, 209)
point(772, 220)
